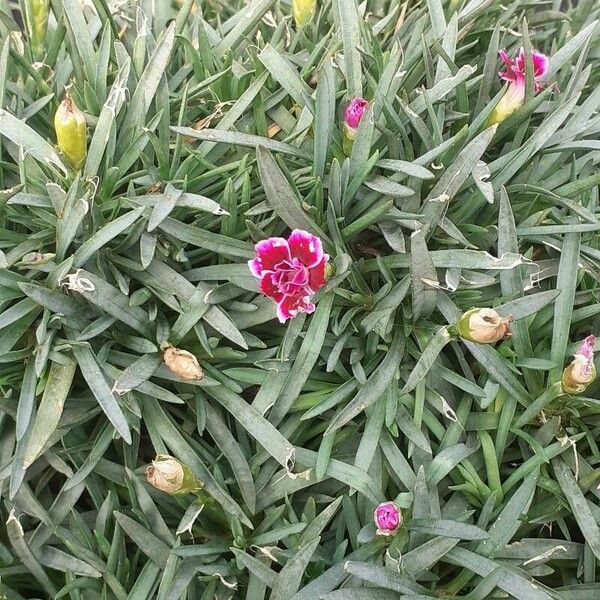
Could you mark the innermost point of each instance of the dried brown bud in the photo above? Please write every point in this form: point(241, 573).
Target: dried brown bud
point(484, 326)
point(182, 363)
point(172, 477)
point(165, 474)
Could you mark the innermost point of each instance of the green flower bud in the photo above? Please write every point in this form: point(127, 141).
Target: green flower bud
point(483, 326)
point(71, 132)
point(512, 99)
point(37, 23)
point(172, 477)
point(37, 258)
point(329, 271)
point(303, 11)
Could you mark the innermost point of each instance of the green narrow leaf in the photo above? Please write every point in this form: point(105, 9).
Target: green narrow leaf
point(155, 549)
point(105, 235)
point(283, 72)
point(454, 176)
point(348, 22)
point(51, 407)
point(95, 379)
point(509, 520)
point(579, 505)
point(563, 307)
point(424, 276)
point(437, 17)
point(305, 360)
point(374, 387)
point(32, 143)
point(73, 12)
point(232, 451)
point(290, 577)
point(324, 118)
point(427, 359)
point(282, 197)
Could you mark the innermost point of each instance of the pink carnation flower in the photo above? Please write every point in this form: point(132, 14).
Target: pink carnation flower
point(290, 271)
point(388, 518)
point(515, 75)
point(515, 68)
point(353, 115)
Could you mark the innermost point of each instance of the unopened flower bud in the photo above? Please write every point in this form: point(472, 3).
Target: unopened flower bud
point(37, 23)
point(71, 132)
point(582, 371)
point(303, 11)
point(168, 475)
point(37, 258)
point(182, 363)
point(514, 73)
point(388, 518)
point(483, 326)
point(511, 100)
point(16, 41)
point(353, 115)
point(329, 271)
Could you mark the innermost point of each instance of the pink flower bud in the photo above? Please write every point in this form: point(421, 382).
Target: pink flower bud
point(353, 115)
point(582, 371)
point(515, 75)
point(388, 518)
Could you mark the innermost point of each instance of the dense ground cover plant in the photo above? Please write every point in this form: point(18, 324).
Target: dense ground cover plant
point(376, 170)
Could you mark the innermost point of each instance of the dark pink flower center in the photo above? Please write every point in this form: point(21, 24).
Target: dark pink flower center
point(387, 517)
point(291, 277)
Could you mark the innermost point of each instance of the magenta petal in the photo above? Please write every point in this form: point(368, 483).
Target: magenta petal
point(306, 247)
point(506, 59)
point(540, 64)
point(290, 306)
point(317, 275)
point(587, 347)
point(271, 252)
point(387, 517)
point(520, 60)
point(268, 288)
point(255, 266)
point(354, 112)
point(287, 308)
point(301, 277)
point(509, 74)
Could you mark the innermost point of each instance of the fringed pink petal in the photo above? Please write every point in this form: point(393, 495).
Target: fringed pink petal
point(290, 306)
point(269, 289)
point(540, 64)
point(270, 253)
point(317, 275)
point(306, 247)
